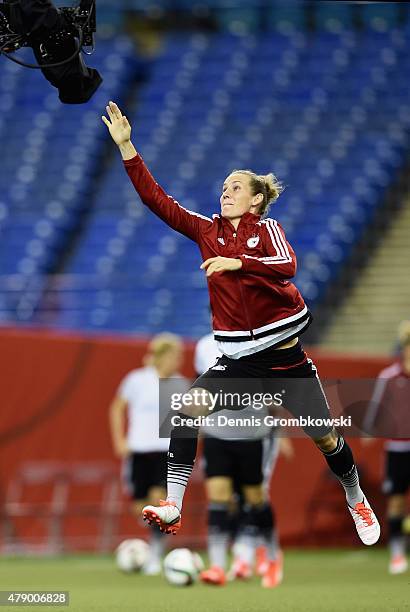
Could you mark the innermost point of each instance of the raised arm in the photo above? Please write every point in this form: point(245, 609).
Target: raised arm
point(280, 261)
point(187, 222)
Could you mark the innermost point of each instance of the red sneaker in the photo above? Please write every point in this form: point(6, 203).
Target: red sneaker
point(262, 561)
point(213, 575)
point(398, 564)
point(274, 574)
point(240, 570)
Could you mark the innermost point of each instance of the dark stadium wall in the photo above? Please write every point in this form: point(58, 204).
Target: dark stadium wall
point(56, 391)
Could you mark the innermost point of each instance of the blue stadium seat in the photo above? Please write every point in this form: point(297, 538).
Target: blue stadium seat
point(273, 103)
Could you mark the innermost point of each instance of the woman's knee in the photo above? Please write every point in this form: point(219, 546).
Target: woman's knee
point(219, 489)
point(253, 494)
point(328, 442)
point(196, 402)
point(396, 505)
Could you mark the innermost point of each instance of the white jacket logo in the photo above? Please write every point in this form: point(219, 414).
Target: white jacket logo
point(252, 242)
point(222, 241)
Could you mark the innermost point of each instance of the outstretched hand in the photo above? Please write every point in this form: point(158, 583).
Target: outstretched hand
point(117, 124)
point(221, 264)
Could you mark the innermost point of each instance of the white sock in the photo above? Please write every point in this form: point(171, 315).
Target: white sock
point(354, 495)
point(156, 544)
point(350, 483)
point(177, 479)
point(272, 546)
point(397, 546)
point(244, 548)
point(176, 495)
point(217, 549)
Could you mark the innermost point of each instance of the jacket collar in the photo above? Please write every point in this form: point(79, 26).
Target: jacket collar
point(246, 219)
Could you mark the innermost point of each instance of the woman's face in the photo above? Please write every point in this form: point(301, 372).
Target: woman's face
point(237, 198)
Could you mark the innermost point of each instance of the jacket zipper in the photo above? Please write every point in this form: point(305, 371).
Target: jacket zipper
point(243, 299)
point(245, 308)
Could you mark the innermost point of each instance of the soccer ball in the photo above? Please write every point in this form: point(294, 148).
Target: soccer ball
point(131, 555)
point(182, 567)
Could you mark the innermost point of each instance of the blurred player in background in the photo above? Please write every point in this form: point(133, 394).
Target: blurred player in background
point(238, 474)
point(258, 316)
point(138, 444)
point(392, 392)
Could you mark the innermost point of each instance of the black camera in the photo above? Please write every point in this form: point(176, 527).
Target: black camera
point(57, 37)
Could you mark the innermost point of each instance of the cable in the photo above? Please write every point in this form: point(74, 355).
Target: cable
point(76, 53)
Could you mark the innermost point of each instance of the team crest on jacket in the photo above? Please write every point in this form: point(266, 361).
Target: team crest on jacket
point(253, 242)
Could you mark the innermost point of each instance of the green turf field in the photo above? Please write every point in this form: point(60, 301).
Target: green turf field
point(314, 581)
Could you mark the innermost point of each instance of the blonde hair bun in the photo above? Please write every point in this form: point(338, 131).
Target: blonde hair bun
point(273, 187)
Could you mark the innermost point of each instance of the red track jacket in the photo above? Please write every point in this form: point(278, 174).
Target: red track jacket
point(254, 302)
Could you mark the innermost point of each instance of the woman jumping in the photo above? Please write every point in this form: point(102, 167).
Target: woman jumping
point(258, 316)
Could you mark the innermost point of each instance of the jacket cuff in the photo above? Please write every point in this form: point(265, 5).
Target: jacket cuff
point(133, 161)
point(245, 263)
